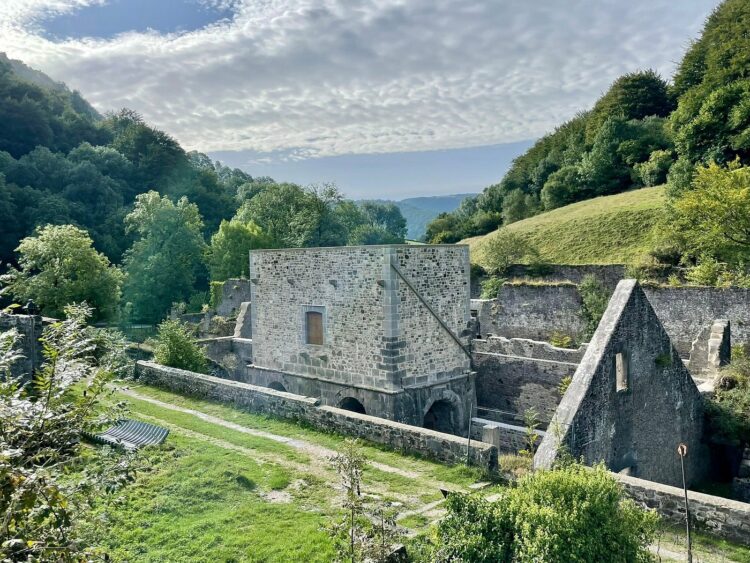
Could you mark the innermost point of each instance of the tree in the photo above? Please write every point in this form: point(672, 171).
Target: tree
point(165, 263)
point(59, 266)
point(386, 216)
point(562, 188)
point(713, 216)
point(653, 172)
point(228, 252)
point(573, 513)
point(42, 496)
point(504, 249)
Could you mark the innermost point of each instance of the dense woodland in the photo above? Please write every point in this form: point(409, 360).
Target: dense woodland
point(123, 193)
point(644, 131)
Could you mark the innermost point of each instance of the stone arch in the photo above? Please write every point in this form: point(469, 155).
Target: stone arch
point(441, 416)
point(352, 404)
point(276, 386)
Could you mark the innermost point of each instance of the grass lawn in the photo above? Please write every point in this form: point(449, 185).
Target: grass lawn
point(615, 229)
point(229, 485)
point(218, 493)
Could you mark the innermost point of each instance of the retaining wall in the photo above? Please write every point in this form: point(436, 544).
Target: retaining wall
point(725, 518)
point(402, 437)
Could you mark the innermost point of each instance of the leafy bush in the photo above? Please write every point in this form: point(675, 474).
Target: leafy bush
point(561, 340)
point(174, 346)
point(43, 498)
point(570, 514)
point(728, 411)
point(506, 248)
point(595, 298)
point(710, 272)
point(491, 287)
point(653, 172)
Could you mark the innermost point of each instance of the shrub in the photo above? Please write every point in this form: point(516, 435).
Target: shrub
point(595, 299)
point(175, 346)
point(506, 248)
point(654, 171)
point(561, 340)
point(569, 514)
point(491, 287)
point(728, 411)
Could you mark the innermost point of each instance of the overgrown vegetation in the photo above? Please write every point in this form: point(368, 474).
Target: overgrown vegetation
point(45, 491)
point(728, 411)
point(594, 301)
point(568, 514)
point(174, 346)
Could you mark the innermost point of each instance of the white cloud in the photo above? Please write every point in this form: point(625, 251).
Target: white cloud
point(331, 77)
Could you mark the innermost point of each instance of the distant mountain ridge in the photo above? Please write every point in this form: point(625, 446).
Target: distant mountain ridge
point(419, 211)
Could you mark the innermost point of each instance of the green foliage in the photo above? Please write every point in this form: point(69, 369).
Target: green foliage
point(228, 253)
point(216, 293)
point(561, 340)
point(59, 266)
point(166, 261)
point(504, 249)
point(42, 497)
point(654, 171)
point(564, 384)
point(594, 298)
point(561, 188)
point(569, 514)
point(712, 218)
point(491, 287)
point(174, 346)
point(531, 423)
point(728, 411)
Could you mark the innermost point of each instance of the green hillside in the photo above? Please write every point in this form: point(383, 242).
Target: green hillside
point(604, 230)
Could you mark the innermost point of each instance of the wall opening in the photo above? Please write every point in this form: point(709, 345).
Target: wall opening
point(621, 368)
point(352, 404)
point(441, 417)
point(314, 327)
point(276, 386)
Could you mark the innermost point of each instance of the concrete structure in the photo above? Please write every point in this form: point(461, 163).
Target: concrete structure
point(382, 330)
point(631, 401)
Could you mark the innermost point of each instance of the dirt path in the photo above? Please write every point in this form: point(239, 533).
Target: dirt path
point(313, 450)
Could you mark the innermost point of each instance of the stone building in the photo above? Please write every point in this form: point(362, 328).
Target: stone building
point(381, 330)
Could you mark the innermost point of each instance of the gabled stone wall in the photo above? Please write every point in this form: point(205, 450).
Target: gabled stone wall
point(631, 401)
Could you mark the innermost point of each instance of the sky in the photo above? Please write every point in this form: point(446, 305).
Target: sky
point(387, 98)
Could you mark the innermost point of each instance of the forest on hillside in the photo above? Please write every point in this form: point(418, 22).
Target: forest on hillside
point(644, 131)
point(144, 217)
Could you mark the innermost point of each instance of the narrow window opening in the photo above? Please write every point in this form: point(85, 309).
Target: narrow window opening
point(314, 327)
point(621, 368)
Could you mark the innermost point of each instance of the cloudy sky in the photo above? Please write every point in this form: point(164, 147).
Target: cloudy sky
point(388, 98)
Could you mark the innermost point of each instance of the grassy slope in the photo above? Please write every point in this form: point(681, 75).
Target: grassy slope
point(604, 230)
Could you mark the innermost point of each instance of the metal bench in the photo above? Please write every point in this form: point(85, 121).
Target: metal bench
point(132, 434)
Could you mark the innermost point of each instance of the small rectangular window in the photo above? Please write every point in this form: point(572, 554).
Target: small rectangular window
point(314, 327)
point(621, 368)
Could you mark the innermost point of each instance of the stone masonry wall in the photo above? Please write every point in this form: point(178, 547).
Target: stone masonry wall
point(538, 311)
point(29, 329)
point(234, 292)
point(631, 401)
point(529, 311)
point(402, 437)
point(725, 518)
point(377, 332)
point(513, 383)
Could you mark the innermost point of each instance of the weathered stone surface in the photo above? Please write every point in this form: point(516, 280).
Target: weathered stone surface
point(532, 311)
point(234, 292)
point(243, 325)
point(29, 328)
point(403, 437)
point(395, 322)
point(711, 350)
point(631, 401)
point(720, 517)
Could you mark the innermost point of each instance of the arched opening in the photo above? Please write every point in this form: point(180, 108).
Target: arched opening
point(352, 404)
point(276, 386)
point(441, 417)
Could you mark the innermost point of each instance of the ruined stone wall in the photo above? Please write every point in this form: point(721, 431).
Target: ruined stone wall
point(631, 401)
point(234, 292)
point(377, 332)
point(29, 329)
point(724, 518)
point(512, 379)
point(402, 437)
point(530, 311)
point(686, 311)
point(538, 311)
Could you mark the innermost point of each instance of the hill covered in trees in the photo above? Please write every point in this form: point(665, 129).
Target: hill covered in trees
point(81, 188)
point(644, 131)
